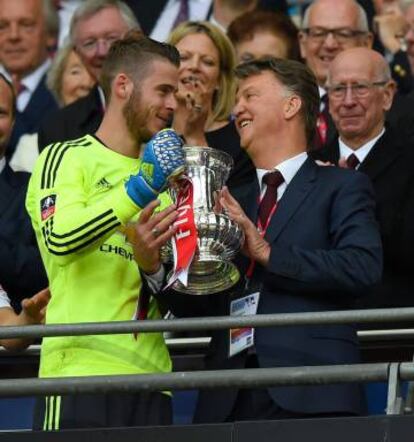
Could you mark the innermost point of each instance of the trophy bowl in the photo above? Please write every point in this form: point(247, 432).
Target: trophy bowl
point(219, 238)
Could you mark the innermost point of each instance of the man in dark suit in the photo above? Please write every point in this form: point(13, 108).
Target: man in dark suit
point(328, 28)
point(21, 271)
point(158, 17)
point(360, 92)
point(29, 30)
point(94, 26)
point(314, 247)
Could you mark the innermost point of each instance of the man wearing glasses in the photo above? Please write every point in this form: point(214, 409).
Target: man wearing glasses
point(328, 28)
point(95, 25)
point(361, 91)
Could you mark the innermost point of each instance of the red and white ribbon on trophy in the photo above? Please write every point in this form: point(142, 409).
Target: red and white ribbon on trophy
point(184, 242)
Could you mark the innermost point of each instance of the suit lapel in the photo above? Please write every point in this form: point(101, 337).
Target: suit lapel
point(292, 199)
point(380, 156)
point(331, 133)
point(7, 183)
point(147, 15)
point(91, 112)
point(248, 198)
point(41, 102)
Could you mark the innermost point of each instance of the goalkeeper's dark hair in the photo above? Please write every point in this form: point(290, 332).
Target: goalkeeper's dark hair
point(133, 55)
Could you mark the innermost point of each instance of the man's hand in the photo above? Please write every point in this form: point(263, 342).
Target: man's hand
point(34, 308)
point(255, 247)
point(163, 159)
point(150, 233)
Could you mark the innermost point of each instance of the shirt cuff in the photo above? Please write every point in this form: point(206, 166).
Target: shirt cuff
point(155, 280)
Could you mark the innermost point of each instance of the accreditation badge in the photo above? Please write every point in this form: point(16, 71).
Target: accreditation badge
point(242, 338)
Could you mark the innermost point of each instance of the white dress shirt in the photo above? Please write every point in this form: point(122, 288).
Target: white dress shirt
point(2, 164)
point(322, 93)
point(30, 83)
point(4, 299)
point(287, 168)
point(198, 10)
point(362, 152)
point(66, 10)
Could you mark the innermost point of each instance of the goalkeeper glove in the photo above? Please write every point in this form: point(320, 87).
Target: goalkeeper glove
point(163, 159)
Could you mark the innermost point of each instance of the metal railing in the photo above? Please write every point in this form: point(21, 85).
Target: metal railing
point(210, 323)
point(394, 373)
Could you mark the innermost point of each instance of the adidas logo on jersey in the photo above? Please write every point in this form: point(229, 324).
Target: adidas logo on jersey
point(103, 183)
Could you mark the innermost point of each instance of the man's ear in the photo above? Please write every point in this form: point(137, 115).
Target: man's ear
point(292, 106)
point(389, 91)
point(122, 86)
point(302, 44)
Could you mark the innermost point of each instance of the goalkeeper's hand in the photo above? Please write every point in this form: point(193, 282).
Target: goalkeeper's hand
point(163, 159)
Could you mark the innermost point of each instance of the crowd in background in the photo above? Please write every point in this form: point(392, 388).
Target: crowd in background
point(361, 54)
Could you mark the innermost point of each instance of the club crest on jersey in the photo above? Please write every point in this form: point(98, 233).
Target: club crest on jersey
point(47, 206)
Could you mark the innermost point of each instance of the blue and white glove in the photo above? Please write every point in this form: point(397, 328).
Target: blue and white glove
point(163, 159)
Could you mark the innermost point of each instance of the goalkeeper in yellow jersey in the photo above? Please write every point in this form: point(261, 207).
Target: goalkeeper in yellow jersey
point(81, 196)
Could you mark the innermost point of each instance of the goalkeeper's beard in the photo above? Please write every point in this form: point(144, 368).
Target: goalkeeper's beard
point(136, 119)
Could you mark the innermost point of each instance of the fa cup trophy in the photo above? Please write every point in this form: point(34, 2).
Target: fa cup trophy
point(216, 237)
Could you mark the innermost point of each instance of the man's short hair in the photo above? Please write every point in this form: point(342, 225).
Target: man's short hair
point(12, 94)
point(362, 18)
point(91, 7)
point(244, 27)
point(296, 78)
point(133, 55)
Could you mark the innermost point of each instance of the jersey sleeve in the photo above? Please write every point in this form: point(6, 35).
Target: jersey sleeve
point(66, 220)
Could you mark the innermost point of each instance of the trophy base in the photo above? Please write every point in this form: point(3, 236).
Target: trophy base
point(209, 277)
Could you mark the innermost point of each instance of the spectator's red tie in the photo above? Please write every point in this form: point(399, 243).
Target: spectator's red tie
point(321, 132)
point(183, 13)
point(272, 180)
point(352, 161)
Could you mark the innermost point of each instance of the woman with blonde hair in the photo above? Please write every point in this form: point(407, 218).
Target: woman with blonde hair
point(206, 93)
point(68, 78)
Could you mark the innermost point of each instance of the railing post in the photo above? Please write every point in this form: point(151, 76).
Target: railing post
point(409, 401)
point(394, 397)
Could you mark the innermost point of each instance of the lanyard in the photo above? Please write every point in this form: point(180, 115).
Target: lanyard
point(262, 231)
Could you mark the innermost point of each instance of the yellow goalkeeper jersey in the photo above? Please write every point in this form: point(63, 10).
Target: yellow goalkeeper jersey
point(78, 205)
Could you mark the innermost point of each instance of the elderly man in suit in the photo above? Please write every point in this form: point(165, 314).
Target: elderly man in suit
point(330, 27)
point(361, 91)
point(312, 244)
point(28, 31)
point(95, 25)
point(21, 271)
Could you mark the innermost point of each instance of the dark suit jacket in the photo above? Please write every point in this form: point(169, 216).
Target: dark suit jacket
point(21, 270)
point(390, 166)
point(74, 121)
point(41, 104)
point(325, 251)
point(400, 117)
point(147, 13)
